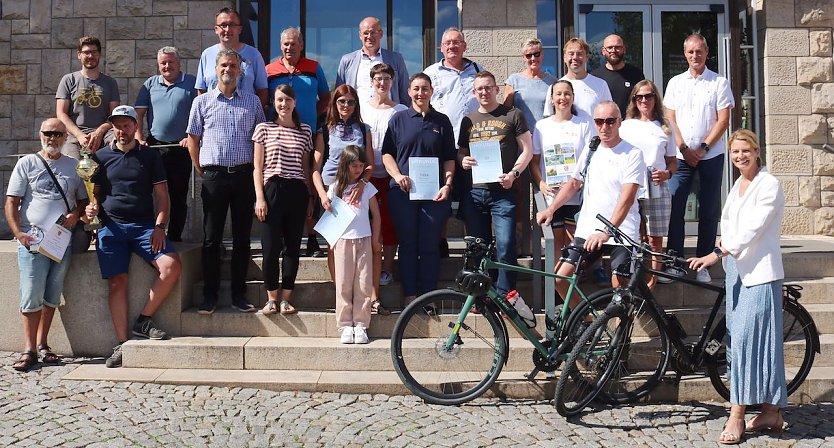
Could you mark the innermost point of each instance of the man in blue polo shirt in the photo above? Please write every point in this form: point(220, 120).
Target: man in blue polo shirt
point(166, 100)
point(131, 195)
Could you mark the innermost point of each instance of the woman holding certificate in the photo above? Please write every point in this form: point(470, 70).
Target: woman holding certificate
point(558, 143)
point(419, 153)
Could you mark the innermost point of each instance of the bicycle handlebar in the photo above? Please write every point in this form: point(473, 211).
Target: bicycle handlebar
point(644, 248)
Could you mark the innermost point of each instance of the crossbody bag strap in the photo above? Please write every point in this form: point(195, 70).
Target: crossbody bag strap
point(55, 181)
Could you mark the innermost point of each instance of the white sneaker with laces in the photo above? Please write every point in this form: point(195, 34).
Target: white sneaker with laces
point(360, 336)
point(674, 271)
point(347, 335)
point(703, 276)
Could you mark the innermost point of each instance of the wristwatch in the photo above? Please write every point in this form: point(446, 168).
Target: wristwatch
point(162, 226)
point(717, 251)
point(515, 173)
point(705, 147)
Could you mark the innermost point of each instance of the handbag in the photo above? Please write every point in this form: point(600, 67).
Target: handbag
point(80, 241)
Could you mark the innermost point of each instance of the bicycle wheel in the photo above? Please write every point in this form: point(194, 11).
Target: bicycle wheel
point(797, 334)
point(442, 375)
point(645, 355)
point(590, 364)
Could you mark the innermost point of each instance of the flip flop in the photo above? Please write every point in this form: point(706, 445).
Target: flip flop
point(271, 307)
point(287, 308)
point(377, 308)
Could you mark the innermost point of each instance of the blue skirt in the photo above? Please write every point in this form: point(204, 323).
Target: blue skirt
point(756, 360)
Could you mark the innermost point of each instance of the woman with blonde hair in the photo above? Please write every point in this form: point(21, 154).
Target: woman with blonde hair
point(527, 90)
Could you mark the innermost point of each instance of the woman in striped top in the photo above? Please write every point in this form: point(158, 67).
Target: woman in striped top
point(282, 191)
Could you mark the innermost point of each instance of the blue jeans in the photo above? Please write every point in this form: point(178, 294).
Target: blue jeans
point(418, 225)
point(484, 209)
point(711, 173)
point(41, 279)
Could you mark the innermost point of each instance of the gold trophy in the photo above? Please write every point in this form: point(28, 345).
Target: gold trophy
point(86, 169)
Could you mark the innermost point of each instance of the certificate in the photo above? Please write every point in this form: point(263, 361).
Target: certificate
point(559, 162)
point(55, 242)
point(487, 166)
point(333, 225)
point(424, 173)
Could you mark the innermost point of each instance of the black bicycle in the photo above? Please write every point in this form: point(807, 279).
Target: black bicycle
point(624, 353)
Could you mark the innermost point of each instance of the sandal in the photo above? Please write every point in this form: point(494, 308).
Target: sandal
point(287, 308)
point(732, 438)
point(271, 307)
point(777, 427)
point(377, 308)
point(26, 361)
point(47, 356)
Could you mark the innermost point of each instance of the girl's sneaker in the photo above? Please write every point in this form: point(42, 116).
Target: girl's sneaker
point(347, 335)
point(360, 336)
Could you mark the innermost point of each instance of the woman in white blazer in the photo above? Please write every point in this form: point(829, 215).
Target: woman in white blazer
point(750, 236)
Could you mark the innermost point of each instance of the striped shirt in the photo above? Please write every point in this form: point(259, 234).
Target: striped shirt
point(284, 149)
point(225, 126)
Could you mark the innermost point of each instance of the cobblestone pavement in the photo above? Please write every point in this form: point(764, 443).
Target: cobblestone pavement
point(38, 409)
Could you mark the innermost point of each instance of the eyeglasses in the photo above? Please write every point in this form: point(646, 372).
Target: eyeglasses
point(346, 102)
point(614, 48)
point(483, 89)
point(533, 55)
point(450, 43)
point(609, 121)
point(646, 97)
point(382, 78)
point(226, 26)
point(50, 134)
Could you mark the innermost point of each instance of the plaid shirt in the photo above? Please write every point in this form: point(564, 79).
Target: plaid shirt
point(225, 126)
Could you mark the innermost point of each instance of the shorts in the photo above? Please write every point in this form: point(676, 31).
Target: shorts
point(565, 218)
point(574, 254)
point(657, 212)
point(117, 241)
point(41, 279)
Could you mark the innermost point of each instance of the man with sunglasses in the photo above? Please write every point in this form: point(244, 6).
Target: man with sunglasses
point(620, 76)
point(611, 179)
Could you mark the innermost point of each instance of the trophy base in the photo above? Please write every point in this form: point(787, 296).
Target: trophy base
point(92, 226)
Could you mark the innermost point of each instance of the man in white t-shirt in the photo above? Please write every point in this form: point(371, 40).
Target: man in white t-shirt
point(612, 177)
point(588, 90)
point(698, 102)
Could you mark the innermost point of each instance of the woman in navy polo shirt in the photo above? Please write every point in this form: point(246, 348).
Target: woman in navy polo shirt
point(419, 131)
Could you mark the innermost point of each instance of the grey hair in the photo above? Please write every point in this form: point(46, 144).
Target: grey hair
point(531, 43)
point(228, 53)
point(696, 37)
point(292, 31)
point(169, 50)
point(610, 104)
point(455, 29)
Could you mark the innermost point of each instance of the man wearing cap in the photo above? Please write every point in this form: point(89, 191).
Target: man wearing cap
point(166, 100)
point(131, 197)
point(220, 130)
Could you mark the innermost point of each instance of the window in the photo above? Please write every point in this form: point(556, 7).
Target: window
point(547, 27)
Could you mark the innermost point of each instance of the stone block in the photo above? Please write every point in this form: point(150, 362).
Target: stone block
point(201, 14)
point(483, 13)
point(20, 41)
point(121, 56)
point(6, 31)
point(39, 20)
point(826, 183)
point(496, 65)
point(207, 38)
point(831, 128)
point(133, 86)
point(820, 43)
point(45, 105)
point(790, 186)
point(508, 42)
point(147, 49)
point(95, 27)
point(22, 115)
point(54, 65)
point(14, 9)
point(5, 53)
point(33, 79)
point(823, 163)
point(780, 71)
point(786, 42)
point(781, 129)
point(180, 22)
point(65, 32)
point(191, 353)
point(814, 69)
point(5, 107)
point(170, 8)
point(189, 44)
point(813, 129)
point(778, 14)
point(135, 8)
point(62, 9)
point(20, 26)
point(145, 68)
point(809, 191)
point(26, 56)
point(159, 27)
point(12, 79)
point(824, 221)
point(814, 13)
point(798, 221)
point(478, 42)
point(124, 28)
point(827, 198)
point(822, 98)
point(5, 128)
point(95, 8)
point(521, 13)
point(788, 100)
point(789, 159)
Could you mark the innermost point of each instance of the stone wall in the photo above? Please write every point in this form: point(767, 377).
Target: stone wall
point(798, 84)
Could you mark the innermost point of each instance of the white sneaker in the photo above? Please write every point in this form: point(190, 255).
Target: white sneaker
point(360, 336)
point(703, 276)
point(385, 278)
point(347, 335)
point(674, 271)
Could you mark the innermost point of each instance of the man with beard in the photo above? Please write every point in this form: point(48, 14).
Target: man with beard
point(85, 99)
point(620, 76)
point(33, 205)
point(220, 130)
point(131, 195)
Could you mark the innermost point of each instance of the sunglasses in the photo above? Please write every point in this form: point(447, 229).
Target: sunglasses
point(646, 97)
point(609, 121)
point(346, 102)
point(533, 55)
point(52, 134)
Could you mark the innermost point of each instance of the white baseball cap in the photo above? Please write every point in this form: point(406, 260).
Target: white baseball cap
point(123, 111)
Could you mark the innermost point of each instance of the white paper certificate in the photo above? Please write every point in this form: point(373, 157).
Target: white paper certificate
point(487, 156)
point(559, 162)
point(424, 173)
point(55, 242)
point(332, 225)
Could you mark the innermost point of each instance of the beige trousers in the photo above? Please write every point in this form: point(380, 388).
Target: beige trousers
point(354, 281)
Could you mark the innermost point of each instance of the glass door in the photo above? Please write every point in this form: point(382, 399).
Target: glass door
point(631, 22)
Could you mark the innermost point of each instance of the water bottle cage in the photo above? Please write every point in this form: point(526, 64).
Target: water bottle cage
point(473, 283)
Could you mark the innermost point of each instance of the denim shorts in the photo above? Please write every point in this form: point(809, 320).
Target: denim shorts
point(41, 279)
point(116, 241)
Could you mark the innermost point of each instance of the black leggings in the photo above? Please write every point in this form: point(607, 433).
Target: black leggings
point(287, 209)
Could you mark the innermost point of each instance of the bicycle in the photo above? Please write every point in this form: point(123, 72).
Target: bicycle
point(622, 365)
point(447, 354)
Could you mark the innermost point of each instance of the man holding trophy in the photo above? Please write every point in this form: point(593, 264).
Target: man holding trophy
point(131, 196)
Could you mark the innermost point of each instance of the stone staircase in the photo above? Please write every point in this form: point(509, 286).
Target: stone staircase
point(302, 351)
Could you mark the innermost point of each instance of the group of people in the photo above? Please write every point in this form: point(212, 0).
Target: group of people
point(273, 139)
